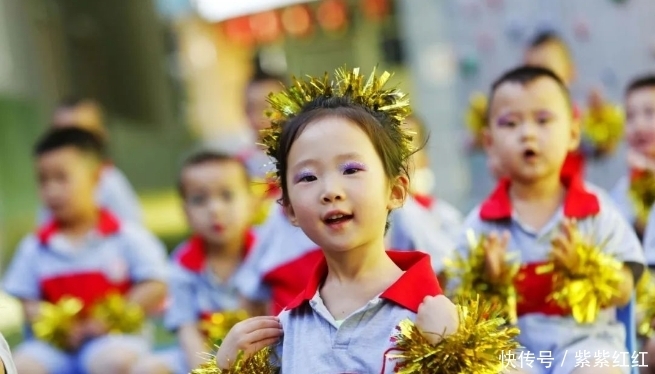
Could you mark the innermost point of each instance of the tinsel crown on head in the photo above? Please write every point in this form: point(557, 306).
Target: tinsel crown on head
point(369, 93)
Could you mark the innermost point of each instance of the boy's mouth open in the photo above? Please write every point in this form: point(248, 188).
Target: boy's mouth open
point(530, 155)
point(337, 219)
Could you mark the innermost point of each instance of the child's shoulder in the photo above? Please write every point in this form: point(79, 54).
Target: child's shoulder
point(30, 243)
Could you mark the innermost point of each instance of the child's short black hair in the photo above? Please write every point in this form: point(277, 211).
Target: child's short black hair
point(202, 156)
point(644, 81)
point(85, 141)
point(527, 74)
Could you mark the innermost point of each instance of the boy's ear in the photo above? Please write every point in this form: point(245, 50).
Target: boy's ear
point(576, 134)
point(398, 193)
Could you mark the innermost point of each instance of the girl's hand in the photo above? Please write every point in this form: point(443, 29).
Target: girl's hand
point(494, 252)
point(249, 336)
point(436, 318)
point(564, 246)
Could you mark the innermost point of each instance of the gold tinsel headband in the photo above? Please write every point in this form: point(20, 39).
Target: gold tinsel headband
point(369, 93)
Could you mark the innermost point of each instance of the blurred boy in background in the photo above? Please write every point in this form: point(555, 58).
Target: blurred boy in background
point(218, 203)
point(114, 193)
point(86, 253)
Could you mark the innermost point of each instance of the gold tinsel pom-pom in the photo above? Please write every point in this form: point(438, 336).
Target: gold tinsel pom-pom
point(592, 285)
point(475, 348)
point(219, 324)
point(120, 316)
point(469, 273)
point(642, 195)
point(262, 362)
point(604, 127)
point(369, 93)
point(56, 320)
point(476, 115)
point(645, 291)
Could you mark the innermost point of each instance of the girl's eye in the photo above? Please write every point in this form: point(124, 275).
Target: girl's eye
point(304, 177)
point(352, 168)
point(307, 178)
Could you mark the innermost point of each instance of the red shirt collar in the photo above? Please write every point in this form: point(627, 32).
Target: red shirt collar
point(578, 202)
point(108, 225)
point(418, 281)
point(192, 256)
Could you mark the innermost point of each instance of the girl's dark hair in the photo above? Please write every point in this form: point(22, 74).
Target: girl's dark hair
point(387, 137)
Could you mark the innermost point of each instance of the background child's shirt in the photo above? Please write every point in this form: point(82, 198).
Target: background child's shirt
point(195, 292)
point(649, 239)
point(543, 327)
point(425, 225)
point(114, 193)
point(620, 194)
point(314, 341)
point(113, 257)
point(280, 263)
point(5, 357)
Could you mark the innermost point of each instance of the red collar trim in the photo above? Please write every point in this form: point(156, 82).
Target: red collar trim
point(418, 281)
point(108, 225)
point(426, 201)
point(578, 202)
point(192, 255)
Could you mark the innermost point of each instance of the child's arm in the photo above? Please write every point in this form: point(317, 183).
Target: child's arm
point(149, 295)
point(148, 270)
point(192, 343)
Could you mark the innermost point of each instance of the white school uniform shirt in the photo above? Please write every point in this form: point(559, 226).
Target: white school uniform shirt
point(432, 229)
point(114, 257)
point(545, 327)
point(195, 292)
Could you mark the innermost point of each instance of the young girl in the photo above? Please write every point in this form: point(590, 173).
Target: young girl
point(341, 152)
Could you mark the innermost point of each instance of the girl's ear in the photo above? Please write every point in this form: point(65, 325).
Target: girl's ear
point(290, 213)
point(398, 193)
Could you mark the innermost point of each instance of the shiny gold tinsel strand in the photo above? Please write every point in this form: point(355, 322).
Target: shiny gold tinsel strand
point(645, 291)
point(370, 93)
point(642, 195)
point(120, 316)
point(592, 285)
point(475, 348)
point(262, 362)
point(469, 275)
point(219, 324)
point(603, 127)
point(56, 320)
